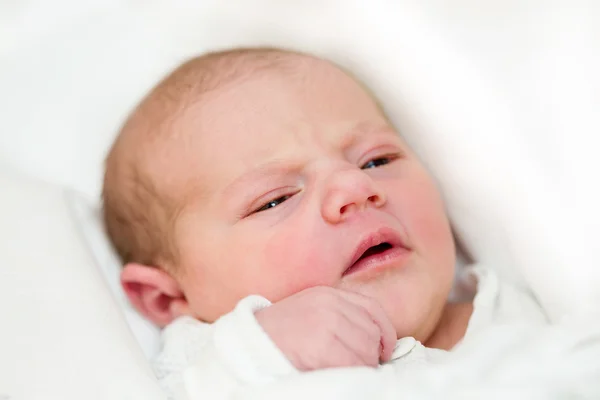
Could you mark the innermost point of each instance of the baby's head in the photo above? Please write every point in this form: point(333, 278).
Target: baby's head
point(262, 171)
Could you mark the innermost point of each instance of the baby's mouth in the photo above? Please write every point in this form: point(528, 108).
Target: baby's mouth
point(378, 250)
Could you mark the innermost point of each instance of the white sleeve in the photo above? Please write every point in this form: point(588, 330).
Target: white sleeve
point(212, 360)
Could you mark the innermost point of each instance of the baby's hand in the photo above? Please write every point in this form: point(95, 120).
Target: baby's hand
point(323, 327)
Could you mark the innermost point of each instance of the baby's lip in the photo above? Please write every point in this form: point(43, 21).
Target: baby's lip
point(374, 238)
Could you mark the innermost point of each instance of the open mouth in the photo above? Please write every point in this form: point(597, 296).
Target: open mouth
point(380, 249)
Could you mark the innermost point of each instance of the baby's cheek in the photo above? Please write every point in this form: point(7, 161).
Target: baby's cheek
point(430, 225)
point(293, 263)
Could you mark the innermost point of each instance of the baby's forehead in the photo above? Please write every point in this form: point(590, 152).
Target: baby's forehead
point(262, 113)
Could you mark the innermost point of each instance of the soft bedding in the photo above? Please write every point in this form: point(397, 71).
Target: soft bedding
point(519, 362)
point(499, 98)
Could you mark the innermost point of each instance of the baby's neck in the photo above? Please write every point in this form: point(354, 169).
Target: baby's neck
point(452, 326)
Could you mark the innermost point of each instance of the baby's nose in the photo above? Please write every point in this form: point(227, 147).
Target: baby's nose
point(348, 192)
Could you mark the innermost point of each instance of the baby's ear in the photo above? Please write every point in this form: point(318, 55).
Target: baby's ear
point(154, 293)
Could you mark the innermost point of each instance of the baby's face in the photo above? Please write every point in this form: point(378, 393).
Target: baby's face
point(295, 176)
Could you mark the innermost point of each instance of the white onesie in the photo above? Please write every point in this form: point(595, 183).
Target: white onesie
point(216, 359)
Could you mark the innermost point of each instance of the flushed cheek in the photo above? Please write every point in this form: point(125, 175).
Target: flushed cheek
point(294, 262)
point(425, 219)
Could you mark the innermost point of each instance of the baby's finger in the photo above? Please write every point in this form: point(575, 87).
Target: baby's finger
point(360, 336)
point(362, 320)
point(388, 332)
point(342, 354)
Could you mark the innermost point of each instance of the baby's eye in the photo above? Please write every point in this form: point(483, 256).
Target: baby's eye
point(378, 162)
point(273, 203)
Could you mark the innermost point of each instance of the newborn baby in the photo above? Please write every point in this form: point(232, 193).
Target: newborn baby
point(270, 216)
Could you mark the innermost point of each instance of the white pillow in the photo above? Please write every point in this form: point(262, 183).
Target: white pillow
point(63, 336)
point(88, 220)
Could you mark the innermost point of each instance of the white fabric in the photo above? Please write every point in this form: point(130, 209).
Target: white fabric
point(224, 359)
point(499, 98)
point(88, 221)
point(233, 349)
point(521, 362)
point(63, 335)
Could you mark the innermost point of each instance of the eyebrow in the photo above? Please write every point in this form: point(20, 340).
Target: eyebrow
point(270, 168)
point(362, 129)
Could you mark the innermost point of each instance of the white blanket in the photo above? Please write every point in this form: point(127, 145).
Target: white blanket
point(500, 98)
point(520, 362)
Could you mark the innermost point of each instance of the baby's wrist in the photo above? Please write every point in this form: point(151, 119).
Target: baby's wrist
point(246, 346)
